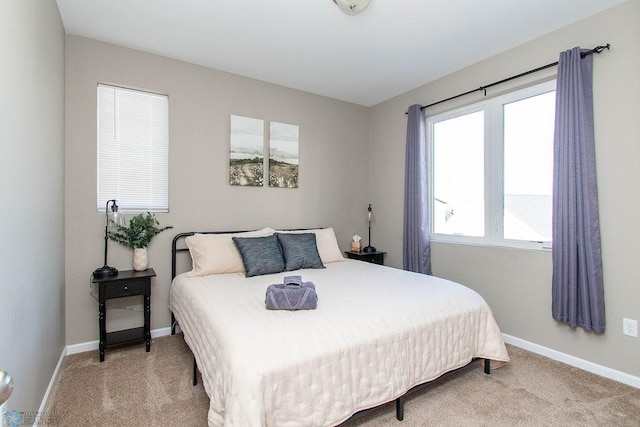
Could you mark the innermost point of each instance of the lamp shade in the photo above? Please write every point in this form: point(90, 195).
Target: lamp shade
point(115, 218)
point(352, 7)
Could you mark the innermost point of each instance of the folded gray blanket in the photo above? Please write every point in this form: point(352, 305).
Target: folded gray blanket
point(293, 294)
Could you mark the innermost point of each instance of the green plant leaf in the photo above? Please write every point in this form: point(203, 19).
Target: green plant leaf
point(142, 228)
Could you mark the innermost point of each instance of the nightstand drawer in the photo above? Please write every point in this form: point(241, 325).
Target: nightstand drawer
point(124, 289)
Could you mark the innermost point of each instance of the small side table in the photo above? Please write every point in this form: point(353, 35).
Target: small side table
point(124, 284)
point(373, 257)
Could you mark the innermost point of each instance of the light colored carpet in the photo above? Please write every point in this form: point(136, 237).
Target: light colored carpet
point(136, 388)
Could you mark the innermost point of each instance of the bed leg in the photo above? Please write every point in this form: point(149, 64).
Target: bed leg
point(173, 324)
point(400, 408)
point(195, 371)
point(487, 366)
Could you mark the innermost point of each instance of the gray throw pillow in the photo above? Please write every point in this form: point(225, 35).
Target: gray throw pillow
point(300, 251)
point(260, 255)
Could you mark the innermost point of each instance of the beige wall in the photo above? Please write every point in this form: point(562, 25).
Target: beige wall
point(31, 190)
point(333, 166)
point(516, 283)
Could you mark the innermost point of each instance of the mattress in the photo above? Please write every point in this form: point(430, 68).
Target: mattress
point(376, 333)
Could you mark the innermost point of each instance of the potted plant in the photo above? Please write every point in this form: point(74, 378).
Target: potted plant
point(137, 236)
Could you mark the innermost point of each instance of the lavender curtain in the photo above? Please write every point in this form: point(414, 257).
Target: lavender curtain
point(577, 285)
point(416, 247)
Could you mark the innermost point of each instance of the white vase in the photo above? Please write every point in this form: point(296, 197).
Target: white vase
point(140, 259)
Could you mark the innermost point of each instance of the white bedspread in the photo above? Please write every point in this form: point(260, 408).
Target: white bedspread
point(376, 333)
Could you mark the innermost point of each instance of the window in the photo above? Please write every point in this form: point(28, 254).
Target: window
point(492, 170)
point(133, 149)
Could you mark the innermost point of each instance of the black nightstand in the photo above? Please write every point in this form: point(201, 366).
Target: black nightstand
point(373, 257)
point(125, 284)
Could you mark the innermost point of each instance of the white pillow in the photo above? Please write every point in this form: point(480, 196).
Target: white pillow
point(217, 254)
point(325, 241)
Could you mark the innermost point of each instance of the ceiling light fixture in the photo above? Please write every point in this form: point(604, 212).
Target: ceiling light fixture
point(352, 7)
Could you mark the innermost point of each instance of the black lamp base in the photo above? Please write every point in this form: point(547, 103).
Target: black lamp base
point(369, 249)
point(105, 271)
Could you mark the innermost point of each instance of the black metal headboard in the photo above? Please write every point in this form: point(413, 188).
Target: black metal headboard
point(181, 236)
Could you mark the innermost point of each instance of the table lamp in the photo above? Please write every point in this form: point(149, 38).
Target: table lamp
point(113, 218)
point(369, 248)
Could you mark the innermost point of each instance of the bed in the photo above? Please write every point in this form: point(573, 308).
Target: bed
point(377, 333)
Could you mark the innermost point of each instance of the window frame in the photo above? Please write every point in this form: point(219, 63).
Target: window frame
point(124, 206)
point(493, 167)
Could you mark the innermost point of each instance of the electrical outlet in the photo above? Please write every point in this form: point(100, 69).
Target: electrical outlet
point(630, 327)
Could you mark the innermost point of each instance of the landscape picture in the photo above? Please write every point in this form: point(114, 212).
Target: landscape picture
point(246, 153)
point(283, 155)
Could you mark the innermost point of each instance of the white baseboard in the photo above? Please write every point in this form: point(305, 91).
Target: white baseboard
point(585, 365)
point(162, 332)
point(45, 398)
point(82, 347)
point(93, 345)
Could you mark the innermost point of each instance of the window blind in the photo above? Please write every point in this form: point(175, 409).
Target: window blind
point(133, 149)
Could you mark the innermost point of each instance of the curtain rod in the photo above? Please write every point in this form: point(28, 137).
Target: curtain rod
point(596, 49)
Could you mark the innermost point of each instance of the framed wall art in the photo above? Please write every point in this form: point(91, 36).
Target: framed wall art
point(283, 155)
point(246, 151)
